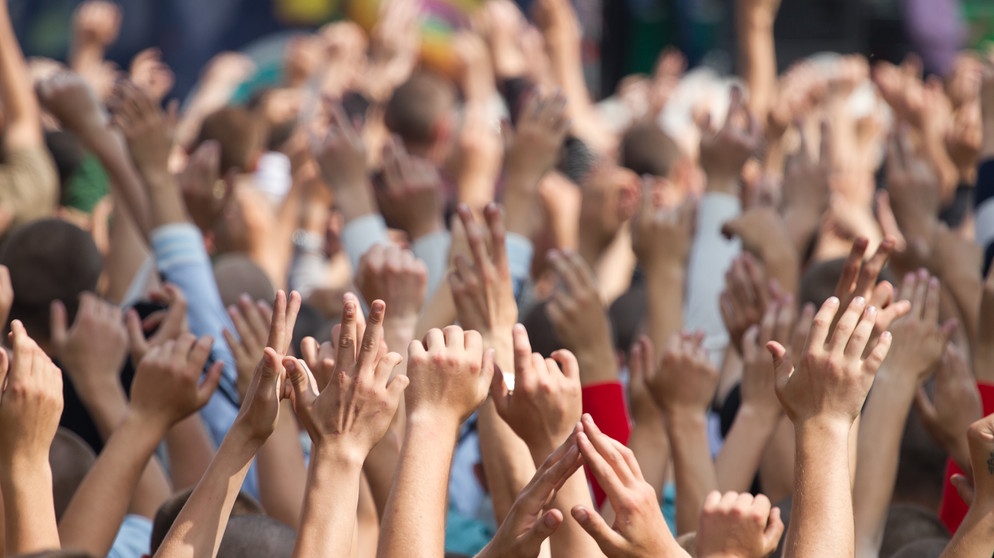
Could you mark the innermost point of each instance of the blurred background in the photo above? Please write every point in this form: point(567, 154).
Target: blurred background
point(621, 36)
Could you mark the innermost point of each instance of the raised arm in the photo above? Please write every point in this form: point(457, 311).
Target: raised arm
point(757, 53)
point(449, 377)
point(29, 417)
point(199, 527)
point(345, 420)
point(21, 114)
point(972, 539)
point(822, 397)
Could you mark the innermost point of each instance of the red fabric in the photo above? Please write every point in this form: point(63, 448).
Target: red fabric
point(606, 405)
point(953, 509)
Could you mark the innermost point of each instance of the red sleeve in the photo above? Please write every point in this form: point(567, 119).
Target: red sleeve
point(953, 509)
point(606, 405)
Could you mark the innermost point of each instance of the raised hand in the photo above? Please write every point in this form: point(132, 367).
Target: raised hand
point(92, 351)
point(739, 525)
point(96, 23)
point(6, 294)
point(832, 377)
point(859, 279)
point(684, 380)
point(662, 237)
point(482, 289)
point(31, 404)
point(394, 46)
point(150, 74)
point(168, 324)
point(579, 318)
point(206, 194)
point(919, 340)
point(744, 299)
point(71, 101)
point(500, 23)
point(354, 410)
point(411, 198)
point(252, 323)
point(147, 129)
point(639, 528)
point(538, 136)
point(531, 520)
point(341, 155)
point(546, 401)
point(396, 277)
point(30, 409)
point(724, 152)
point(449, 376)
point(167, 386)
point(758, 393)
point(954, 406)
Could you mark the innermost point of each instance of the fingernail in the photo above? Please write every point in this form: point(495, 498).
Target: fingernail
point(581, 514)
point(859, 300)
point(549, 520)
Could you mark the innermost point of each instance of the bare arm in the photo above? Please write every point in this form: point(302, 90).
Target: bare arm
point(22, 117)
point(757, 53)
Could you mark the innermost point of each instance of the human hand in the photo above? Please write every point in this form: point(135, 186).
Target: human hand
point(71, 101)
point(168, 324)
point(227, 70)
point(832, 378)
point(558, 22)
point(758, 393)
point(96, 24)
point(964, 138)
point(745, 298)
point(150, 74)
point(501, 24)
point(482, 290)
point(394, 46)
point(6, 294)
point(662, 237)
point(579, 318)
point(31, 404)
point(724, 152)
point(252, 320)
point(955, 405)
point(546, 402)
point(859, 279)
point(206, 194)
point(474, 73)
point(147, 129)
point(302, 56)
point(639, 528)
point(914, 188)
point(919, 339)
point(530, 520)
point(737, 525)
point(259, 412)
point(538, 136)
point(92, 351)
point(806, 183)
point(354, 410)
point(167, 386)
point(341, 155)
point(449, 376)
point(642, 359)
point(981, 441)
point(684, 380)
point(802, 87)
point(320, 358)
point(396, 277)
point(411, 197)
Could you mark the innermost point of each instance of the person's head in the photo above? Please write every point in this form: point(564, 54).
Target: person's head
point(169, 511)
point(909, 524)
point(241, 134)
point(647, 150)
point(49, 260)
point(71, 459)
point(256, 536)
point(237, 274)
point(924, 548)
point(422, 112)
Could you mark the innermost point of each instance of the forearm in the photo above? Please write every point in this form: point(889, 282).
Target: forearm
point(664, 289)
point(109, 486)
point(128, 252)
point(651, 446)
point(879, 446)
point(822, 520)
point(29, 514)
point(200, 525)
point(414, 522)
point(328, 520)
point(282, 472)
point(190, 452)
point(757, 57)
point(693, 470)
point(738, 461)
point(22, 116)
point(973, 538)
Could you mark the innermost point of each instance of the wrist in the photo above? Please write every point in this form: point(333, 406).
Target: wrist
point(421, 229)
point(340, 454)
point(821, 427)
point(151, 425)
point(723, 184)
point(428, 420)
point(759, 416)
point(680, 418)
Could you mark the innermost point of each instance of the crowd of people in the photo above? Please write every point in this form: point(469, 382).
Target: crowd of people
point(389, 308)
